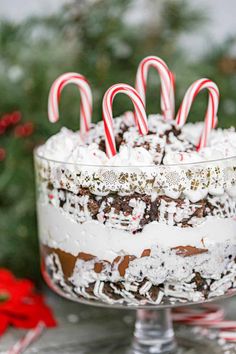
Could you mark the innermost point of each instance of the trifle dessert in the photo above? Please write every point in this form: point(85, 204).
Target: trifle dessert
point(138, 210)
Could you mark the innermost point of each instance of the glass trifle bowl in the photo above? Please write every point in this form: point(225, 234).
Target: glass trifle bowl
point(139, 237)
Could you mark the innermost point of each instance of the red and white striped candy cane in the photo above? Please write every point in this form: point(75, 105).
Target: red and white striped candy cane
point(86, 98)
point(172, 94)
point(23, 343)
point(140, 114)
point(167, 84)
point(207, 316)
point(212, 108)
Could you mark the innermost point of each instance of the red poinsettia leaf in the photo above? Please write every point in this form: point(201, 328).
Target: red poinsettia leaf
point(16, 291)
point(46, 313)
point(20, 306)
point(23, 287)
point(28, 315)
point(6, 276)
point(4, 322)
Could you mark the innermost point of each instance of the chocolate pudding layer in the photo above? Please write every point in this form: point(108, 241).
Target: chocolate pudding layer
point(159, 276)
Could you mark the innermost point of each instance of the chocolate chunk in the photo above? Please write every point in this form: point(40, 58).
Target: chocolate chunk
point(119, 140)
point(107, 209)
point(201, 284)
point(93, 206)
point(85, 256)
point(146, 253)
point(153, 292)
point(67, 260)
point(109, 291)
point(90, 289)
point(84, 191)
point(102, 145)
point(187, 251)
point(123, 263)
point(98, 267)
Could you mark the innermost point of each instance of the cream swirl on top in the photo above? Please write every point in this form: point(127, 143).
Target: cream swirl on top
point(165, 144)
point(60, 146)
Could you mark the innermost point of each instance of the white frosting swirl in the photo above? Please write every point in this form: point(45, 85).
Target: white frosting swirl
point(60, 146)
point(129, 156)
point(67, 146)
point(88, 155)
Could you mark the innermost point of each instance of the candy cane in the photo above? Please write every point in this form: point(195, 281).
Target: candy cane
point(172, 93)
point(86, 98)
point(167, 84)
point(212, 108)
point(207, 316)
point(140, 114)
point(30, 337)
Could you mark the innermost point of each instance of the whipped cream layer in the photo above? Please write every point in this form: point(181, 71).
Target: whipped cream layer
point(58, 230)
point(177, 147)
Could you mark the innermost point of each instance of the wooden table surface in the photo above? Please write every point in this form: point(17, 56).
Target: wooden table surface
point(85, 329)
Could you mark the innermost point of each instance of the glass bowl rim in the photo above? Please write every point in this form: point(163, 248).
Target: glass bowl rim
point(179, 165)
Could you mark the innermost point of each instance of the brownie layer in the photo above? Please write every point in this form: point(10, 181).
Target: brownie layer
point(159, 276)
point(132, 212)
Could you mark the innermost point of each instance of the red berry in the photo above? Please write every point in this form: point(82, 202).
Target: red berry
point(28, 128)
point(15, 117)
point(24, 130)
point(6, 120)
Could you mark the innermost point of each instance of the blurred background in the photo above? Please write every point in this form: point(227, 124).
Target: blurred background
point(104, 40)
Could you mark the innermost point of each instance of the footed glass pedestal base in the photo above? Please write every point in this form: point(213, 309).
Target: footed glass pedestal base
point(153, 332)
